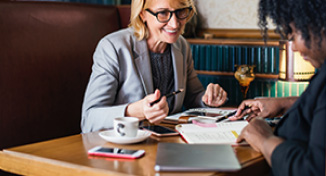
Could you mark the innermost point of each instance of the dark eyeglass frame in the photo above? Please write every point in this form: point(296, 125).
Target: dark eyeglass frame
point(171, 12)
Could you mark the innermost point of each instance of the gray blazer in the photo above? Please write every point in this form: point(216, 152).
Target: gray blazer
point(121, 74)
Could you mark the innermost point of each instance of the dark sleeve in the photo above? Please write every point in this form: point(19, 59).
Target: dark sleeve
point(302, 158)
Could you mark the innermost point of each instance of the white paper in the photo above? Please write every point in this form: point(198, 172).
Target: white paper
point(222, 133)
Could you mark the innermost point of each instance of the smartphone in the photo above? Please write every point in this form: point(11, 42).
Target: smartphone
point(116, 152)
point(160, 130)
point(206, 114)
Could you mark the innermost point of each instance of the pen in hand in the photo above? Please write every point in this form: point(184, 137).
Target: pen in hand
point(231, 114)
point(167, 96)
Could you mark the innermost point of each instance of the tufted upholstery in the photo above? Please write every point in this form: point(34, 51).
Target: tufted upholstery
point(45, 62)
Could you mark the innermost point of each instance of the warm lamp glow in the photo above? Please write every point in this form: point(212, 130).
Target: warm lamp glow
point(244, 74)
point(292, 65)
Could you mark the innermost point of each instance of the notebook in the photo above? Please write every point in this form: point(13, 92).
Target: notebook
point(214, 133)
point(196, 157)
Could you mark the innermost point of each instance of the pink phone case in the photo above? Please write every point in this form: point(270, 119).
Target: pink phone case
point(116, 155)
point(113, 155)
point(163, 134)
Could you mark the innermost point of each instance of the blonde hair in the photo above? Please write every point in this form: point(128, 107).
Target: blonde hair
point(141, 31)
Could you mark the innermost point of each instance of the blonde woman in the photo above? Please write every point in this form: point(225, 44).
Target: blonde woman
point(136, 66)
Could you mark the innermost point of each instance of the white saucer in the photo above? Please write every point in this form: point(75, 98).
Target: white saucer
point(110, 137)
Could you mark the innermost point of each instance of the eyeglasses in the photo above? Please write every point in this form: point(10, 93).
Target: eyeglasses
point(165, 15)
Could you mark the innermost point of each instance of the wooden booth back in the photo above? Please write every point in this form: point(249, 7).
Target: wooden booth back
point(46, 53)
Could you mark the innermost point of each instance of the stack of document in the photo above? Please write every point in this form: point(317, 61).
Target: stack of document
point(199, 113)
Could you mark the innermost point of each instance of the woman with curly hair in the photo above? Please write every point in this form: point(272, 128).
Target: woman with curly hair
point(297, 145)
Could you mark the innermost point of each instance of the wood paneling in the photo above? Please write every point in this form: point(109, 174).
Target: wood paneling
point(238, 33)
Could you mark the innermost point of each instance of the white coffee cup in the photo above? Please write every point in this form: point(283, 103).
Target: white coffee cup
point(126, 126)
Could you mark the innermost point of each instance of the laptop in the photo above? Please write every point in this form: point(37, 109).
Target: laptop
point(196, 157)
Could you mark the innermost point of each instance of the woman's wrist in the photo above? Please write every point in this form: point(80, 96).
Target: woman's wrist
point(269, 146)
point(286, 102)
point(135, 110)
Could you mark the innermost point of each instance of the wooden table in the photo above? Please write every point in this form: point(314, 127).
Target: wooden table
point(68, 156)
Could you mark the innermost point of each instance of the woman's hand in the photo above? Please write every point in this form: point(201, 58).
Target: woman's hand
point(143, 110)
point(260, 107)
point(260, 137)
point(214, 96)
point(158, 111)
point(255, 133)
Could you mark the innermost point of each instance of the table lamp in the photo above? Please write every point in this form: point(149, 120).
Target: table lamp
point(294, 72)
point(292, 65)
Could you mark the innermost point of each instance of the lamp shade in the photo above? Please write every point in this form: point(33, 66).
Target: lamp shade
point(292, 65)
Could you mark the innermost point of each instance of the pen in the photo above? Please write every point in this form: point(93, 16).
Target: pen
point(167, 96)
point(231, 114)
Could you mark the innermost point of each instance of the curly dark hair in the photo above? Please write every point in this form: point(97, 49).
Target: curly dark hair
point(308, 16)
